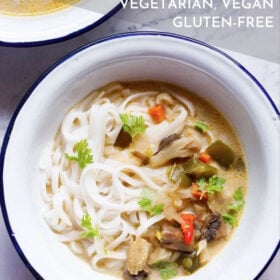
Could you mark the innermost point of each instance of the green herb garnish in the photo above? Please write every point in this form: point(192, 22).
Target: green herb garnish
point(146, 203)
point(90, 231)
point(132, 124)
point(230, 216)
point(201, 126)
point(84, 156)
point(238, 195)
point(214, 184)
point(202, 184)
point(239, 201)
point(166, 269)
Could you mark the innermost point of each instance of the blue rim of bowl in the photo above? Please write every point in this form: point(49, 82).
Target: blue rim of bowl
point(65, 37)
point(69, 56)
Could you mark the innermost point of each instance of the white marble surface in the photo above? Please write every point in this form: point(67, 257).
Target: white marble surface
point(20, 67)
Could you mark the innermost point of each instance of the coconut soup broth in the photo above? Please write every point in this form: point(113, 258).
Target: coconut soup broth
point(235, 176)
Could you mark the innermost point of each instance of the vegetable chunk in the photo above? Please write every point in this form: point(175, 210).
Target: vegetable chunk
point(138, 254)
point(222, 153)
point(197, 169)
point(157, 113)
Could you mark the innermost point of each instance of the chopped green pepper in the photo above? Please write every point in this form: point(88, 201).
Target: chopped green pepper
point(176, 174)
point(197, 169)
point(221, 153)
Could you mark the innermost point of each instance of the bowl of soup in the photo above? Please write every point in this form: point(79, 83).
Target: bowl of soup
point(29, 22)
point(145, 156)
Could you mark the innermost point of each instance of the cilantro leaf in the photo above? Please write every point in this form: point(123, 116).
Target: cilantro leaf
point(90, 231)
point(84, 156)
point(157, 209)
point(230, 216)
point(214, 184)
point(166, 269)
point(133, 124)
point(146, 203)
point(239, 201)
point(202, 184)
point(235, 207)
point(238, 194)
point(201, 126)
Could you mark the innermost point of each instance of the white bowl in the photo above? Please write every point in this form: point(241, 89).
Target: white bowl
point(56, 26)
point(153, 56)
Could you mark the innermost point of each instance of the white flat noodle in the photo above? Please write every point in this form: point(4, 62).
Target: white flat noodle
point(69, 236)
point(99, 117)
point(140, 173)
point(71, 186)
point(108, 219)
point(57, 155)
point(108, 233)
point(144, 226)
point(111, 255)
point(91, 249)
point(71, 132)
point(54, 221)
point(76, 248)
point(85, 104)
point(77, 209)
point(43, 185)
point(164, 98)
point(121, 238)
point(109, 188)
point(134, 96)
point(114, 87)
point(62, 201)
point(90, 190)
point(188, 104)
point(55, 178)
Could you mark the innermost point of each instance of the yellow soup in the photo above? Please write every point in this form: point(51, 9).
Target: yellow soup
point(33, 7)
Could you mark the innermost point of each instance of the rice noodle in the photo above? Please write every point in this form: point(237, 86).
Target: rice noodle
point(107, 189)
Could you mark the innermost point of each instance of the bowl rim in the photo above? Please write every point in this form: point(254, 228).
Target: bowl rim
point(63, 38)
point(29, 92)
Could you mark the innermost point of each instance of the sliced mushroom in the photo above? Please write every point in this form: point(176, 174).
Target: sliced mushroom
point(165, 142)
point(210, 227)
point(123, 140)
point(143, 158)
point(138, 253)
point(173, 238)
point(223, 230)
point(180, 148)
